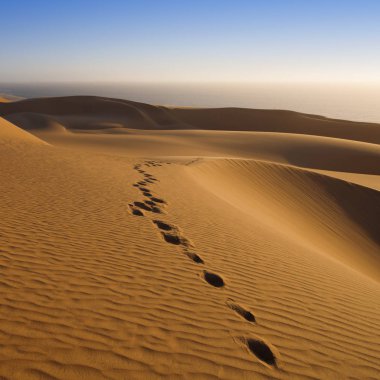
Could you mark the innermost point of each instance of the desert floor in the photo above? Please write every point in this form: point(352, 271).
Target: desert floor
point(145, 242)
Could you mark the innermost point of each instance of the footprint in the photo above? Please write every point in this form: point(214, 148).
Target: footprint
point(261, 350)
point(193, 256)
point(247, 315)
point(143, 206)
point(171, 238)
point(147, 194)
point(150, 203)
point(213, 279)
point(162, 225)
point(158, 200)
point(135, 211)
point(144, 189)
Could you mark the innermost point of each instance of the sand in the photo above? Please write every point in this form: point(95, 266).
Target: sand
point(145, 242)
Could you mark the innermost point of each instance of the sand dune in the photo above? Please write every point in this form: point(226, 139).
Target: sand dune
point(312, 152)
point(36, 122)
point(15, 138)
point(327, 215)
point(93, 113)
point(85, 112)
point(148, 249)
point(244, 119)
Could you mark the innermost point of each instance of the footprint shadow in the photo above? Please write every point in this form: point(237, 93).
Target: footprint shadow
point(213, 279)
point(196, 258)
point(262, 350)
point(246, 314)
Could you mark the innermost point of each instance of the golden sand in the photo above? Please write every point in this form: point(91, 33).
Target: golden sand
point(144, 242)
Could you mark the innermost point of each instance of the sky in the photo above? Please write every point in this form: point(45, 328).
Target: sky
point(190, 41)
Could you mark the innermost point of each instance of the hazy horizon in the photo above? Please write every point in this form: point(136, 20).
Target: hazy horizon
point(344, 101)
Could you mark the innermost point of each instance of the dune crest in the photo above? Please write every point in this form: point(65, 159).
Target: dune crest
point(36, 122)
point(16, 138)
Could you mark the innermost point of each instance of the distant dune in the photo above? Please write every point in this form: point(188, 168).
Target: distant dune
point(147, 242)
point(94, 113)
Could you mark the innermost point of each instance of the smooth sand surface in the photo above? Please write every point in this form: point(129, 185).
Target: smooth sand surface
point(136, 244)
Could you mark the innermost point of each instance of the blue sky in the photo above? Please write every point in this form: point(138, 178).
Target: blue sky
point(193, 40)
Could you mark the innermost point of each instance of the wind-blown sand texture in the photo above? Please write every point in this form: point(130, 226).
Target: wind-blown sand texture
point(146, 242)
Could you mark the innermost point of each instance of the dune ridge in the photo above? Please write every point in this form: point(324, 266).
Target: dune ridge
point(13, 137)
point(83, 112)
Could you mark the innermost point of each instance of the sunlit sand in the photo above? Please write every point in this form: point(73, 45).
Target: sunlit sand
point(148, 242)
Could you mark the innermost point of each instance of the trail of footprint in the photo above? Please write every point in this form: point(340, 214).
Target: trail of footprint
point(171, 234)
point(174, 238)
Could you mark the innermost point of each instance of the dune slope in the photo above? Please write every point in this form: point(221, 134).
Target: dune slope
point(99, 283)
point(138, 255)
point(326, 214)
point(15, 138)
